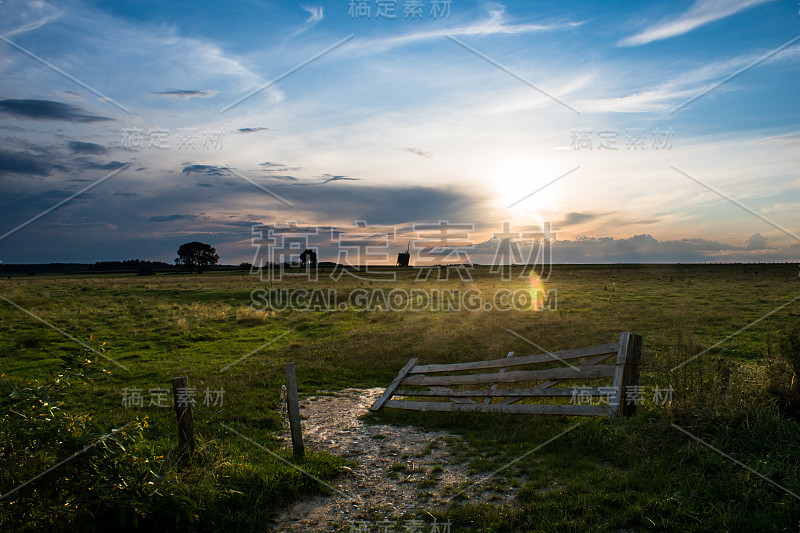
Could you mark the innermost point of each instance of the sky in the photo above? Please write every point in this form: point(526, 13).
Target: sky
point(635, 132)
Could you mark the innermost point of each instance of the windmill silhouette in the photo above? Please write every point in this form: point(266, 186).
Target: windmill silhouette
point(403, 258)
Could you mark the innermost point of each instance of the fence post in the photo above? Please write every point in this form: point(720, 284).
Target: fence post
point(183, 411)
point(294, 410)
point(630, 374)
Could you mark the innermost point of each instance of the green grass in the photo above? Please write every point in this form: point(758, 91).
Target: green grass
point(639, 473)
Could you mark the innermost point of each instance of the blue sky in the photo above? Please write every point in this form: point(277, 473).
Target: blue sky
point(404, 122)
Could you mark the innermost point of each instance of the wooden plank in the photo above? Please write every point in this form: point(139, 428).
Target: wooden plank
point(560, 392)
point(609, 349)
point(588, 372)
point(488, 400)
point(446, 392)
point(622, 354)
point(294, 410)
point(548, 384)
point(394, 384)
point(572, 410)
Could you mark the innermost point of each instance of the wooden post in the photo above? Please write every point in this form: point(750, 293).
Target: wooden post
point(631, 372)
point(627, 371)
point(294, 410)
point(183, 411)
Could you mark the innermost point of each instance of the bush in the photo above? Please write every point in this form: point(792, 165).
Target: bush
point(783, 371)
point(790, 351)
point(101, 480)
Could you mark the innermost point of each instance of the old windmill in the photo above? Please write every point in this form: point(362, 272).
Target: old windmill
point(403, 258)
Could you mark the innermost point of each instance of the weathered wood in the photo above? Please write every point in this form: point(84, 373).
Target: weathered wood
point(608, 349)
point(589, 372)
point(624, 373)
point(182, 395)
point(293, 407)
point(619, 367)
point(487, 401)
point(571, 410)
point(630, 374)
point(560, 392)
point(446, 392)
point(394, 384)
point(554, 382)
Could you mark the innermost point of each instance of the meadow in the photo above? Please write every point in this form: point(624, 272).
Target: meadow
point(134, 333)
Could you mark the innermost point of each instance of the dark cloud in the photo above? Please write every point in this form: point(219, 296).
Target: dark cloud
point(388, 205)
point(644, 222)
point(281, 177)
point(24, 163)
point(327, 178)
point(126, 194)
point(420, 153)
point(78, 147)
point(278, 167)
point(167, 218)
point(209, 170)
point(638, 249)
point(757, 242)
point(48, 110)
point(242, 224)
point(252, 130)
point(573, 218)
point(183, 94)
point(94, 165)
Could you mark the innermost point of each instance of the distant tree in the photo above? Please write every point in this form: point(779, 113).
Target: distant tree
point(196, 255)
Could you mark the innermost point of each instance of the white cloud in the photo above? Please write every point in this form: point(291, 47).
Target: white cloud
point(316, 14)
point(495, 23)
point(677, 90)
point(701, 13)
point(18, 17)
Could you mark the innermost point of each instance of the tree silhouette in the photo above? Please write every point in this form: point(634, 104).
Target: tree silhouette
point(196, 255)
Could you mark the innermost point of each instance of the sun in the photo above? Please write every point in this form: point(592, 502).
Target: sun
point(515, 182)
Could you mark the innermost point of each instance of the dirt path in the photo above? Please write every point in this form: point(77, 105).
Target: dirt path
point(399, 469)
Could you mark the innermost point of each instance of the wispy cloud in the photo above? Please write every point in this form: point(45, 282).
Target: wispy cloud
point(24, 16)
point(269, 166)
point(701, 13)
point(80, 147)
point(169, 218)
point(184, 94)
point(420, 153)
point(327, 178)
point(209, 170)
point(315, 12)
point(666, 95)
point(495, 23)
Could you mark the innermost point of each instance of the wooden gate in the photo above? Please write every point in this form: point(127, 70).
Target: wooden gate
point(429, 387)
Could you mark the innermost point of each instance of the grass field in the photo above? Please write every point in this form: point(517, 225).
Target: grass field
point(641, 473)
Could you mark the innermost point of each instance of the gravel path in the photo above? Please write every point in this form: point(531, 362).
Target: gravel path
point(399, 469)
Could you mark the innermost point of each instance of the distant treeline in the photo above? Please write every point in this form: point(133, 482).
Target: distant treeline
point(131, 265)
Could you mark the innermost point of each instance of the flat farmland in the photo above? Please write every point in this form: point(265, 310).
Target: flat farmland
point(83, 355)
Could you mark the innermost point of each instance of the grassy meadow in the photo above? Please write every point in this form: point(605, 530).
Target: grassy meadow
point(636, 474)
